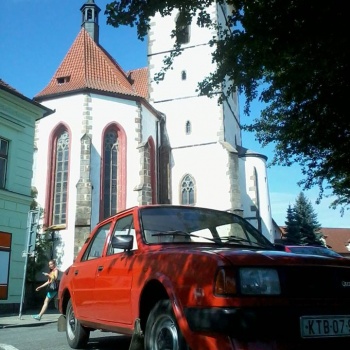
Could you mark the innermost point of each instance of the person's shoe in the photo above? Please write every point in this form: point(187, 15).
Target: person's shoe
point(36, 317)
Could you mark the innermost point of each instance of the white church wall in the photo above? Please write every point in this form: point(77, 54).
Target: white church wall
point(256, 193)
point(69, 110)
point(105, 111)
point(188, 63)
point(207, 165)
point(202, 113)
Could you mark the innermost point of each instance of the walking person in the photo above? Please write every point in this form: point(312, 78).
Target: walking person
point(52, 287)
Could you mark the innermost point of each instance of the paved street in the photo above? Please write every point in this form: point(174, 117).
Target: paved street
point(29, 334)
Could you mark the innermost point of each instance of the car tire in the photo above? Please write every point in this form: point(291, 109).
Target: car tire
point(77, 335)
point(162, 331)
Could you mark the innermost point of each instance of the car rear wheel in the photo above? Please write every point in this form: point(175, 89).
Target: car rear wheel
point(77, 335)
point(162, 331)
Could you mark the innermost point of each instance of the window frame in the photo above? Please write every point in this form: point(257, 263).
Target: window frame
point(4, 156)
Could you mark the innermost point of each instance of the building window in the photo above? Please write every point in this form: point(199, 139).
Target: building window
point(182, 30)
point(187, 190)
point(61, 178)
point(113, 171)
point(4, 149)
point(188, 127)
point(183, 75)
point(110, 171)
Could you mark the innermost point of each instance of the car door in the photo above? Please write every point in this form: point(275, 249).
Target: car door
point(114, 278)
point(84, 274)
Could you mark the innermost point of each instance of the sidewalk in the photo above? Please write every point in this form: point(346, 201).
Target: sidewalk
point(26, 320)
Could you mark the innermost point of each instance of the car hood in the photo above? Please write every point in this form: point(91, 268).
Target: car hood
point(242, 256)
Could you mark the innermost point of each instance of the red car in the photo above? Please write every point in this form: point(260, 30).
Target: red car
point(180, 278)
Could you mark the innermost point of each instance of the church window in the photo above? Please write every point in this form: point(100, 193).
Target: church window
point(113, 171)
point(183, 75)
point(60, 163)
point(187, 190)
point(4, 147)
point(182, 30)
point(110, 171)
point(188, 127)
point(89, 14)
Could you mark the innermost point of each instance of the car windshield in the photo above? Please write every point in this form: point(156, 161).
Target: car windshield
point(198, 225)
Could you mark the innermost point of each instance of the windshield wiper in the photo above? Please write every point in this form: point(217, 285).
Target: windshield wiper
point(180, 233)
point(230, 239)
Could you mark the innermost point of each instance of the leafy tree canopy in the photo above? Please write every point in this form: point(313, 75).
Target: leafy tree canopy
point(291, 55)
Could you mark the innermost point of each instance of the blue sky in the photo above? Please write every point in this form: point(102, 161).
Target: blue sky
point(36, 35)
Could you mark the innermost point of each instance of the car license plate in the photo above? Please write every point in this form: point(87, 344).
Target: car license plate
point(324, 326)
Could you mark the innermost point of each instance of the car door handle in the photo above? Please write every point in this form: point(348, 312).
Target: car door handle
point(100, 268)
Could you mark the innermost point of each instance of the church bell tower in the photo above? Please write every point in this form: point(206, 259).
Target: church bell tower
point(90, 13)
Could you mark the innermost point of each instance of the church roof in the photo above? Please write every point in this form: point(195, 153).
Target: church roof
point(87, 65)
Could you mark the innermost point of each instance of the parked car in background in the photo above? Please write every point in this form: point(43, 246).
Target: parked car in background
point(309, 249)
point(181, 277)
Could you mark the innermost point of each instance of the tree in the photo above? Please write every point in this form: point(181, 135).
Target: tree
point(292, 235)
point(39, 259)
point(302, 224)
point(291, 55)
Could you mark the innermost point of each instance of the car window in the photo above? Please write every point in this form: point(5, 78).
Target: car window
point(95, 248)
point(124, 226)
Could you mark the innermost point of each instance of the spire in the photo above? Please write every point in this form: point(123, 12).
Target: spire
point(90, 13)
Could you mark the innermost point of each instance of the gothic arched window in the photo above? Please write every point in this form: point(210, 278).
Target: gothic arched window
point(113, 176)
point(58, 181)
point(182, 30)
point(110, 172)
point(187, 190)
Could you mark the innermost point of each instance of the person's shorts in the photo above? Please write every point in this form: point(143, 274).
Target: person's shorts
point(51, 295)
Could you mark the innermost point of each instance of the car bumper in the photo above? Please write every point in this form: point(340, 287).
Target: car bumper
point(264, 323)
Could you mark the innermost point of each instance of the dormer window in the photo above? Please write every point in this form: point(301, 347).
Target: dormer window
point(63, 80)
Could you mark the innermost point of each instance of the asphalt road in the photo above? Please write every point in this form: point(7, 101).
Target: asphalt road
point(46, 337)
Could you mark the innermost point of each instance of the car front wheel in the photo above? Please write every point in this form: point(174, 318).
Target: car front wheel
point(162, 331)
point(77, 335)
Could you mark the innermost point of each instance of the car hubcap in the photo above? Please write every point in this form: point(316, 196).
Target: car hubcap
point(165, 334)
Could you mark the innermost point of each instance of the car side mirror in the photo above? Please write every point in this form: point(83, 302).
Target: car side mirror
point(123, 242)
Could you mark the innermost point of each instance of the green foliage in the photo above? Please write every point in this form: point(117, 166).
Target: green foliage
point(291, 55)
point(38, 261)
point(302, 226)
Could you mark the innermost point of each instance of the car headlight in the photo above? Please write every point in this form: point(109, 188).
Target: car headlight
point(259, 281)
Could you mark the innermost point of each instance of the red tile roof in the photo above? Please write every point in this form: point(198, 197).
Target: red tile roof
point(88, 65)
point(139, 79)
point(337, 238)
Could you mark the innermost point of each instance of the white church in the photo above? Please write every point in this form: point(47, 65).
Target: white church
point(119, 139)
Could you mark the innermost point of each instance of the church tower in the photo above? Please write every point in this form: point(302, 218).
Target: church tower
point(204, 136)
point(209, 166)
